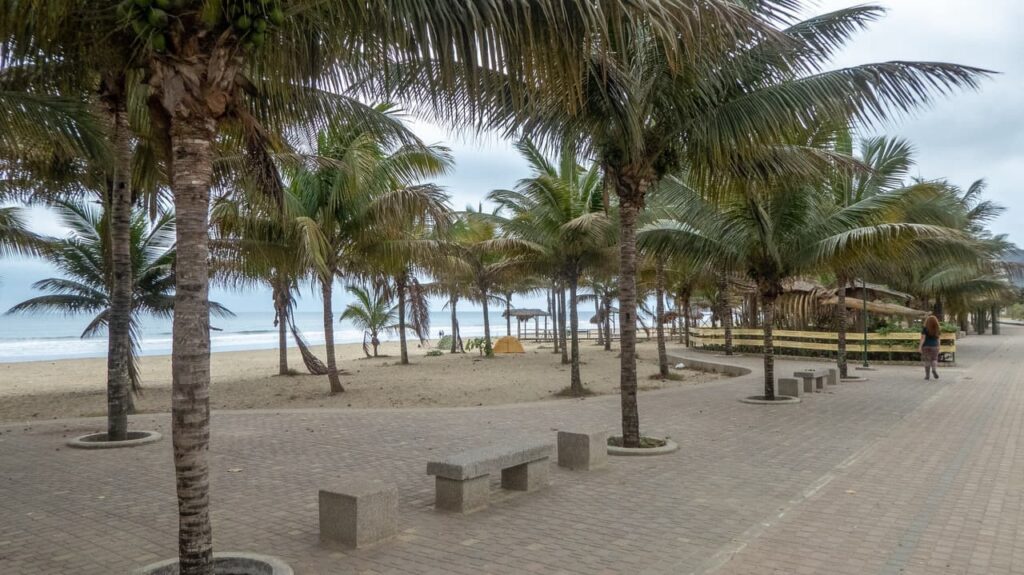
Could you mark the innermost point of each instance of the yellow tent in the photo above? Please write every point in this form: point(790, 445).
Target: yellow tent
point(508, 344)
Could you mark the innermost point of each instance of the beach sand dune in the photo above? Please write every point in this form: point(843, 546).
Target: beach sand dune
point(249, 380)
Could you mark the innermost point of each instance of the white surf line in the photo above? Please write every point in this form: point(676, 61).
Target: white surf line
point(727, 552)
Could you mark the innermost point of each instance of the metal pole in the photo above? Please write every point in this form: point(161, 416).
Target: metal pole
point(864, 298)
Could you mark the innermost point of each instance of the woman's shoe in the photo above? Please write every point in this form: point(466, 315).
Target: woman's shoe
point(935, 373)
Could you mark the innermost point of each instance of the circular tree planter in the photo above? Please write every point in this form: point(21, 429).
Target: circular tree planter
point(226, 563)
point(779, 400)
point(649, 446)
point(99, 440)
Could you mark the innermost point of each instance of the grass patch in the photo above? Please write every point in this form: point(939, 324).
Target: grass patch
point(568, 392)
point(435, 353)
point(671, 376)
point(645, 442)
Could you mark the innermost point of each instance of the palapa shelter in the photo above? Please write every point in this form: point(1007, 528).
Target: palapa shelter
point(526, 314)
point(508, 344)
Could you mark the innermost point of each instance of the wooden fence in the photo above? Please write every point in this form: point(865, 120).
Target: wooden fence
point(880, 346)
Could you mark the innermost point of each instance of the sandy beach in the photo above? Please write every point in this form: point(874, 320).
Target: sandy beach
point(249, 380)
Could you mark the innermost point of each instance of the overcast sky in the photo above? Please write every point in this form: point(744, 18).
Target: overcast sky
point(963, 138)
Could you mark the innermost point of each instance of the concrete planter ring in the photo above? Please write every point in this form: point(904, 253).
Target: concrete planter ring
point(658, 446)
point(99, 440)
point(779, 400)
point(226, 563)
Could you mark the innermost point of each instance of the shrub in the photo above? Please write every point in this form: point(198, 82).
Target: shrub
point(445, 342)
point(435, 353)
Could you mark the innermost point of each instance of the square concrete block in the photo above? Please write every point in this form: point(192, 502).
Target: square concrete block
point(585, 451)
point(833, 377)
point(819, 382)
point(526, 477)
point(462, 495)
point(358, 513)
point(789, 386)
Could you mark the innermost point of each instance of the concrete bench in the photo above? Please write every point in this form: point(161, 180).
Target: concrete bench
point(358, 512)
point(462, 481)
point(583, 450)
point(814, 380)
point(788, 386)
point(832, 378)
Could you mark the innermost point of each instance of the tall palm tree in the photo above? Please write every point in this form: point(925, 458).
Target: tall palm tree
point(647, 113)
point(559, 209)
point(84, 258)
point(372, 312)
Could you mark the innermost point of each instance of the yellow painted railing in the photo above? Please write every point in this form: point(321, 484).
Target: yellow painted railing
point(819, 340)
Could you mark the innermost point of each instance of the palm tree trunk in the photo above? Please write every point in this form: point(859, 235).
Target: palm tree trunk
point(995, 320)
point(508, 314)
point(768, 303)
point(841, 322)
point(938, 309)
point(575, 383)
point(119, 339)
point(561, 321)
point(280, 290)
point(191, 177)
point(686, 319)
point(628, 208)
point(660, 313)
point(327, 288)
point(724, 310)
point(600, 322)
point(607, 304)
point(453, 300)
point(403, 344)
point(488, 350)
point(553, 310)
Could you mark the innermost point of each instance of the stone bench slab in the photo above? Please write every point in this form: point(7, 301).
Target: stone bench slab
point(482, 461)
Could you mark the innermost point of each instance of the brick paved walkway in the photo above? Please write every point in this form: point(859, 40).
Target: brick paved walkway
point(893, 475)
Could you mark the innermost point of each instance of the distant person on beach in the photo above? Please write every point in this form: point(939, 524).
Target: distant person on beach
point(931, 334)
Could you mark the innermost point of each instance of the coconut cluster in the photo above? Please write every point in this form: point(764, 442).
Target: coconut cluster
point(249, 19)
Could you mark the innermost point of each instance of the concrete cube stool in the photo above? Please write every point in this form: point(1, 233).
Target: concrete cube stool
point(813, 380)
point(833, 377)
point(358, 513)
point(583, 450)
point(788, 386)
point(462, 481)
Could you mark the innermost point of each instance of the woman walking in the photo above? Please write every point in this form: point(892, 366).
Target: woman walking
point(931, 335)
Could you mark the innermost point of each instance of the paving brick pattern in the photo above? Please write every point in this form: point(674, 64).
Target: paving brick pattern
point(892, 475)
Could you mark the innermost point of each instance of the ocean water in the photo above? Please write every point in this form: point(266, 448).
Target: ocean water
point(45, 337)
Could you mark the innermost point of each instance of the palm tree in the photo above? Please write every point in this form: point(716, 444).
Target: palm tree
point(487, 261)
point(884, 163)
point(15, 237)
point(355, 204)
point(773, 233)
point(647, 113)
point(371, 312)
point(84, 257)
point(559, 210)
point(255, 243)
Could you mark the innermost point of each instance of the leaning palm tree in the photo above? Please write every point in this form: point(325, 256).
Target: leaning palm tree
point(373, 312)
point(647, 113)
point(85, 261)
point(559, 209)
